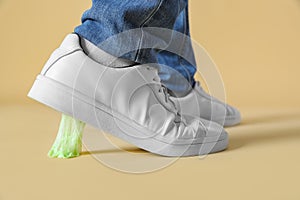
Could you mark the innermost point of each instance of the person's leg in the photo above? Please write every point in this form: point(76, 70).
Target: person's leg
point(194, 97)
point(107, 18)
point(177, 67)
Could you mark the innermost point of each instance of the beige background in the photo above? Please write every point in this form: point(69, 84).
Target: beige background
point(257, 48)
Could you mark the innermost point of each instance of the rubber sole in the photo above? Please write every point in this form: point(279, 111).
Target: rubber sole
point(71, 102)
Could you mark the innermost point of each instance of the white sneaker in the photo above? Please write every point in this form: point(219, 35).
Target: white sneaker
point(127, 102)
point(198, 103)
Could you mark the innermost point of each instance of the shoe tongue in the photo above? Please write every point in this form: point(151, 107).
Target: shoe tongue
point(102, 57)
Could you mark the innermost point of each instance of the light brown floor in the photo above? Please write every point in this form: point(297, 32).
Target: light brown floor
point(262, 162)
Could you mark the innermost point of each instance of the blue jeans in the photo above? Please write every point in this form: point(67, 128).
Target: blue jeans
point(107, 18)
